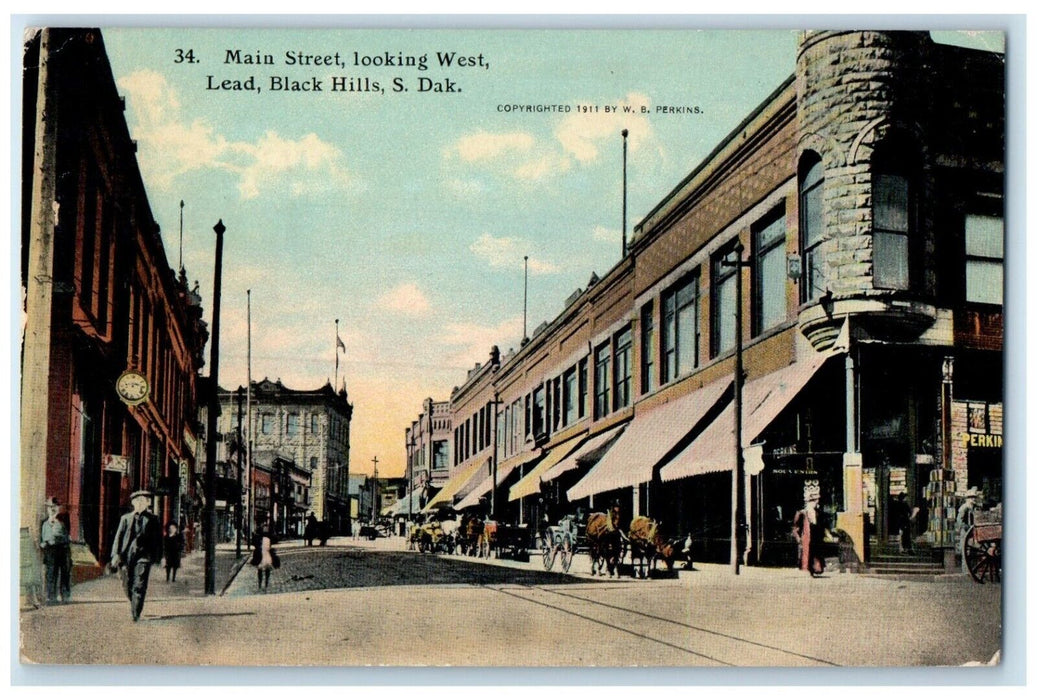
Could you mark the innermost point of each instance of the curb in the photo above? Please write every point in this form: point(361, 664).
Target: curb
point(234, 574)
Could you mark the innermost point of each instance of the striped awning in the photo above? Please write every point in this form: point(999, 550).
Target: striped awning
point(454, 484)
point(483, 487)
point(762, 400)
point(592, 449)
point(530, 483)
point(647, 439)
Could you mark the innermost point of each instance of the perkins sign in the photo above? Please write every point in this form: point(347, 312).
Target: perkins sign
point(979, 440)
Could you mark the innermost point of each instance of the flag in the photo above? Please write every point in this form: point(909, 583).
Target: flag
point(340, 343)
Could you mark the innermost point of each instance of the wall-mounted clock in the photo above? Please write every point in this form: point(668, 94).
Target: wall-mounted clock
point(132, 387)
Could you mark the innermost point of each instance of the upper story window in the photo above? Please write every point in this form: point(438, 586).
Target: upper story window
point(267, 423)
point(984, 259)
point(581, 404)
point(623, 344)
point(647, 347)
point(292, 424)
point(769, 308)
point(314, 423)
point(602, 356)
point(894, 227)
point(539, 411)
point(569, 396)
point(811, 226)
point(891, 230)
point(723, 301)
point(679, 338)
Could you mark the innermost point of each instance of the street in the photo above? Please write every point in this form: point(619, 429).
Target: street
point(362, 603)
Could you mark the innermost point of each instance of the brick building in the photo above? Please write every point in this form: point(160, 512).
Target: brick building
point(100, 300)
point(865, 197)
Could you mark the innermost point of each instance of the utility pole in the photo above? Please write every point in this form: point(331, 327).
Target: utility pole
point(525, 295)
point(237, 503)
point(738, 475)
point(214, 408)
point(248, 419)
point(625, 132)
point(374, 492)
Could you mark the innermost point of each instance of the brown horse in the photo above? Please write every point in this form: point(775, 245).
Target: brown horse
point(605, 542)
point(647, 546)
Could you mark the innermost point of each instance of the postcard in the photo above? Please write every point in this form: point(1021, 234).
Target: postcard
point(411, 347)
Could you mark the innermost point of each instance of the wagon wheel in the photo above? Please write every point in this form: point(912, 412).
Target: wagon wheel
point(982, 558)
point(566, 549)
point(546, 551)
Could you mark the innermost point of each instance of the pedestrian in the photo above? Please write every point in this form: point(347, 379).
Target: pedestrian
point(174, 548)
point(964, 520)
point(808, 531)
point(264, 558)
point(138, 543)
point(312, 530)
point(901, 513)
point(57, 553)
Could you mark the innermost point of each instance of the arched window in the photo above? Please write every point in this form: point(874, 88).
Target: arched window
point(811, 225)
point(894, 226)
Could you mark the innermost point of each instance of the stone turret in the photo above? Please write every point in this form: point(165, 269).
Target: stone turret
point(862, 112)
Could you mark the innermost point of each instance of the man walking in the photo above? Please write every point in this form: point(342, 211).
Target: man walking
point(57, 555)
point(138, 543)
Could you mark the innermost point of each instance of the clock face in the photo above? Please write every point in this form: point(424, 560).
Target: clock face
point(132, 387)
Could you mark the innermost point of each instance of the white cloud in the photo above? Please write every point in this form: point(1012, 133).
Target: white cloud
point(405, 299)
point(607, 235)
point(582, 135)
point(298, 167)
point(507, 252)
point(483, 146)
point(472, 342)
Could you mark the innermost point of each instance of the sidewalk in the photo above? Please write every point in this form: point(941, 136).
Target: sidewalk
point(190, 579)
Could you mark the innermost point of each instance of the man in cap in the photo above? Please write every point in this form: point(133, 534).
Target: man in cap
point(138, 543)
point(57, 554)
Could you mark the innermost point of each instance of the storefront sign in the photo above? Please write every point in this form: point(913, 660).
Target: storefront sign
point(981, 440)
point(115, 463)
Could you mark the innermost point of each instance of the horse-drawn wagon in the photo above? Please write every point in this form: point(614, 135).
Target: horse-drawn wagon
point(561, 542)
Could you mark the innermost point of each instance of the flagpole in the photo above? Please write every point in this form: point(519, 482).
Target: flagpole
point(248, 414)
point(336, 356)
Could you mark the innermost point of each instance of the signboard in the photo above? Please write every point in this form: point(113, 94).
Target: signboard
point(116, 463)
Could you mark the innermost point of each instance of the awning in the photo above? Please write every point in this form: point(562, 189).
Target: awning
point(647, 439)
point(762, 400)
point(530, 483)
point(400, 507)
point(592, 449)
point(484, 486)
point(454, 484)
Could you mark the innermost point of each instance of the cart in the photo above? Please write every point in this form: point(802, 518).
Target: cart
point(981, 547)
point(512, 542)
point(560, 542)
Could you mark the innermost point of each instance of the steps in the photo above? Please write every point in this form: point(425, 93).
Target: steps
point(888, 560)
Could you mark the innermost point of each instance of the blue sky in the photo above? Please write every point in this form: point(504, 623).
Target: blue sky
point(406, 215)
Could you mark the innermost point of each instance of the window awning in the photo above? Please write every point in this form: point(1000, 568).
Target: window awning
point(592, 449)
point(530, 483)
point(484, 486)
point(400, 507)
point(646, 441)
point(762, 400)
point(454, 484)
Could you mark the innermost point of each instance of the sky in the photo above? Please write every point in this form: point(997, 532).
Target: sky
point(405, 209)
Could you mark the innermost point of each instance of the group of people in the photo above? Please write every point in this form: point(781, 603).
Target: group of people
point(139, 542)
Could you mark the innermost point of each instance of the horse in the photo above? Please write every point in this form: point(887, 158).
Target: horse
point(605, 542)
point(487, 538)
point(647, 546)
point(468, 534)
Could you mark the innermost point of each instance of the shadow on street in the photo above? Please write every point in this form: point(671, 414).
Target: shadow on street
point(328, 567)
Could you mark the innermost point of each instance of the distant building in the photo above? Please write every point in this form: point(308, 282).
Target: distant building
point(301, 435)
